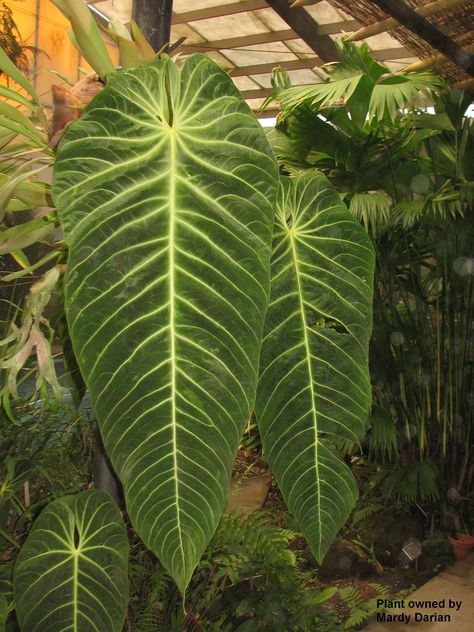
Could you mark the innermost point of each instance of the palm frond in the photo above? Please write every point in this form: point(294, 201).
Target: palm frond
point(419, 481)
point(393, 93)
point(366, 512)
point(355, 60)
point(372, 209)
point(383, 436)
point(409, 212)
point(321, 95)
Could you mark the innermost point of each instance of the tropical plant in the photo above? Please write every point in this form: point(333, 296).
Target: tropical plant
point(45, 453)
point(371, 94)
point(313, 383)
point(166, 192)
point(360, 608)
point(10, 39)
point(406, 175)
point(250, 577)
point(72, 569)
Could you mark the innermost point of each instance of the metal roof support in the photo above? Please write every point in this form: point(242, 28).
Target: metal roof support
point(307, 28)
point(154, 19)
point(419, 25)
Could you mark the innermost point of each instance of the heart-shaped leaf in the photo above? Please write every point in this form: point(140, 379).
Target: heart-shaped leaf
point(166, 191)
point(71, 573)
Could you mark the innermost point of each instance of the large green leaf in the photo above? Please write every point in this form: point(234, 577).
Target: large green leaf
point(71, 573)
point(314, 379)
point(166, 190)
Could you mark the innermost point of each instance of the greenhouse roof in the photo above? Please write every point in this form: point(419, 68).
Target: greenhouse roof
point(251, 37)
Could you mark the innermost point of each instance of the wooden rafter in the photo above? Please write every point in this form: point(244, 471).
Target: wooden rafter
point(218, 11)
point(261, 69)
point(312, 62)
point(433, 62)
point(266, 38)
point(257, 93)
point(419, 25)
point(307, 28)
point(391, 23)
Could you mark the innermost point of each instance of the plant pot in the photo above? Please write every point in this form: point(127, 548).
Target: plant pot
point(462, 544)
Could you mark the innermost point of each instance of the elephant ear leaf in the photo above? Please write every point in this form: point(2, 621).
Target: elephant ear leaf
point(314, 380)
point(71, 572)
point(166, 191)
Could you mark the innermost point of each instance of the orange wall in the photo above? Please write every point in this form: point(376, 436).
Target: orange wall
point(57, 51)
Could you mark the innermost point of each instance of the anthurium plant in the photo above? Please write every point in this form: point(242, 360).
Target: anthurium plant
point(199, 286)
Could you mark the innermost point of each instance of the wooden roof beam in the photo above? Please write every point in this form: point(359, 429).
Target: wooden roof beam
point(419, 25)
point(384, 26)
point(312, 62)
point(217, 12)
point(307, 28)
point(265, 38)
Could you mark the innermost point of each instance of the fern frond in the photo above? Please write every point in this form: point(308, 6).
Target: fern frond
point(365, 513)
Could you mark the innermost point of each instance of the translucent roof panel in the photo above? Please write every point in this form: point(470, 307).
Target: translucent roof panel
point(248, 38)
point(229, 25)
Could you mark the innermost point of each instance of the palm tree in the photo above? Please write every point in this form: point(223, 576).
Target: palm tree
point(405, 174)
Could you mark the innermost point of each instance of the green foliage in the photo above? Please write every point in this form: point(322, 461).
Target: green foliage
point(172, 160)
point(71, 571)
point(383, 436)
point(182, 321)
point(251, 439)
point(87, 35)
point(365, 512)
point(393, 163)
point(412, 483)
point(313, 377)
point(361, 609)
point(44, 453)
point(407, 175)
point(369, 92)
point(248, 578)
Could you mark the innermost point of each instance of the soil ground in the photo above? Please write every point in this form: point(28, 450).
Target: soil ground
point(254, 489)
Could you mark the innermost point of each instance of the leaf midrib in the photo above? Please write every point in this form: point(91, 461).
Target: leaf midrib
point(171, 263)
point(310, 374)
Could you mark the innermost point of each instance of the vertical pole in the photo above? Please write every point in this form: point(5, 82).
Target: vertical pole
point(154, 20)
point(36, 43)
point(103, 475)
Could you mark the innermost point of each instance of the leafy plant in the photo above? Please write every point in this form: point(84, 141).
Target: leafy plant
point(185, 315)
point(418, 481)
point(406, 175)
point(313, 381)
point(369, 91)
point(248, 576)
point(72, 569)
point(361, 609)
point(166, 191)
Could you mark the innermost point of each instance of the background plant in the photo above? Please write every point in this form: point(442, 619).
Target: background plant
point(191, 522)
point(250, 578)
point(406, 174)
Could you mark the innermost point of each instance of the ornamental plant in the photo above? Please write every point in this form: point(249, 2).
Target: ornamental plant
point(199, 286)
